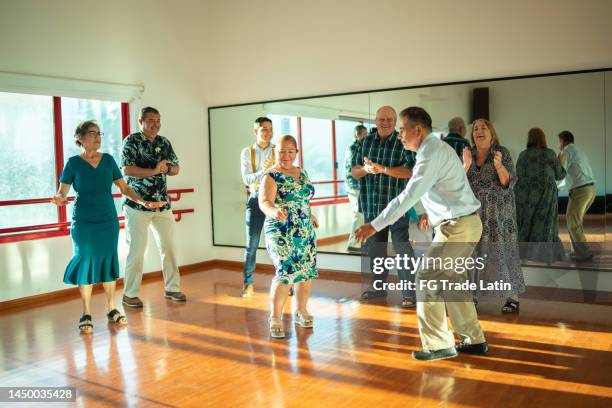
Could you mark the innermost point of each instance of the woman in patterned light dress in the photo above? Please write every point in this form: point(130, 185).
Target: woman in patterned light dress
point(284, 198)
point(538, 168)
point(491, 174)
point(95, 229)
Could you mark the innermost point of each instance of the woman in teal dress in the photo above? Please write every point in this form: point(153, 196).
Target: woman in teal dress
point(538, 169)
point(95, 229)
point(284, 198)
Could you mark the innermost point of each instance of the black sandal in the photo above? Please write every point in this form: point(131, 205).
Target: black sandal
point(85, 325)
point(114, 316)
point(511, 306)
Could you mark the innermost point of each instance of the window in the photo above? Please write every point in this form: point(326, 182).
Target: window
point(284, 125)
point(322, 144)
point(26, 122)
point(32, 127)
point(345, 131)
point(317, 154)
point(108, 116)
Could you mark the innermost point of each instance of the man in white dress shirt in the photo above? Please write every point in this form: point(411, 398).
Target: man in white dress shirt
point(438, 180)
point(254, 161)
point(581, 185)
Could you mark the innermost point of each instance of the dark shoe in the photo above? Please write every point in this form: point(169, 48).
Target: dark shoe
point(353, 250)
point(580, 258)
point(511, 306)
point(176, 296)
point(85, 324)
point(425, 355)
point(372, 294)
point(408, 303)
point(115, 316)
point(131, 301)
point(480, 348)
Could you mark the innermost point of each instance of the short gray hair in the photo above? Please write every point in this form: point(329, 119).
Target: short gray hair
point(456, 124)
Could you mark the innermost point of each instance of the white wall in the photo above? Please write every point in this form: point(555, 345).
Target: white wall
point(159, 44)
point(278, 48)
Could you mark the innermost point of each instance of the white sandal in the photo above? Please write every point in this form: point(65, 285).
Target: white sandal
point(304, 320)
point(276, 328)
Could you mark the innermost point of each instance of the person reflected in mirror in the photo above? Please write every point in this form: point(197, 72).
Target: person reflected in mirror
point(255, 160)
point(492, 177)
point(352, 185)
point(580, 183)
point(537, 200)
point(456, 135)
point(284, 197)
point(441, 185)
point(95, 228)
point(148, 159)
point(383, 168)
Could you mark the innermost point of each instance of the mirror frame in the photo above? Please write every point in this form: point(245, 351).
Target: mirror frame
point(399, 88)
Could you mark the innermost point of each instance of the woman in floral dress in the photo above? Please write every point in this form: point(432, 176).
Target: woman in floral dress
point(284, 198)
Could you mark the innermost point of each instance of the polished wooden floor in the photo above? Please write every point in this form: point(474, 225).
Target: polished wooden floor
point(215, 351)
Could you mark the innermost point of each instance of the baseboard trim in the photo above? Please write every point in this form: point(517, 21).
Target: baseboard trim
point(332, 240)
point(64, 294)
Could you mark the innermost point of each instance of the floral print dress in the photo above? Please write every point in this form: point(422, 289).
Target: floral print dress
point(292, 243)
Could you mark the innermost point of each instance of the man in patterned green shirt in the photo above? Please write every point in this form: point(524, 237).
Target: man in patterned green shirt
point(383, 168)
point(352, 185)
point(147, 159)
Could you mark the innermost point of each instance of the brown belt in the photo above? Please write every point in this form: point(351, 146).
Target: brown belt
point(584, 185)
point(461, 216)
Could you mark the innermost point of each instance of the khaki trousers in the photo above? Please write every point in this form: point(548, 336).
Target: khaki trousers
point(580, 199)
point(137, 233)
point(455, 239)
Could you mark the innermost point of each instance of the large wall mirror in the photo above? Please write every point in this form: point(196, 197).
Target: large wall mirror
point(580, 102)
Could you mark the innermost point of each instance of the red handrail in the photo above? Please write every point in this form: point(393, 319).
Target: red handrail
point(57, 229)
point(12, 230)
point(334, 197)
point(327, 182)
point(178, 193)
point(330, 202)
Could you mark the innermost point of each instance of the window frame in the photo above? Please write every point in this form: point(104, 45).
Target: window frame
point(336, 198)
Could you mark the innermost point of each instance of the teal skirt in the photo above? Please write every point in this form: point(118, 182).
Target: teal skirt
point(95, 257)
